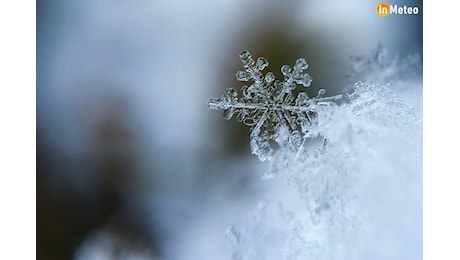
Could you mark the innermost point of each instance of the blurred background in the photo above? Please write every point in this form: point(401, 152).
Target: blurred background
point(131, 163)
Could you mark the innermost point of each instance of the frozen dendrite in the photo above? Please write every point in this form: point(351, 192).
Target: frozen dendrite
point(269, 107)
point(373, 136)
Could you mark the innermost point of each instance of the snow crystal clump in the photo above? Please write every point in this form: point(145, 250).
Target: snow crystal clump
point(349, 163)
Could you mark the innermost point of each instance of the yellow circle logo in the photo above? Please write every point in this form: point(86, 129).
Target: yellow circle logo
point(383, 9)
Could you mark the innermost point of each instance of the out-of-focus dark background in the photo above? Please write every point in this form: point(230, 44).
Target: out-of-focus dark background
point(131, 164)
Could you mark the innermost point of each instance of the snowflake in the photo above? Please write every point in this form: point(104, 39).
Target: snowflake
point(374, 148)
point(268, 106)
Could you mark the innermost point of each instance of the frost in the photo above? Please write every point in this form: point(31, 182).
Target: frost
point(338, 154)
point(269, 107)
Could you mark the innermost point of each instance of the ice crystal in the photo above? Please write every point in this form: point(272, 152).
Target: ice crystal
point(370, 140)
point(269, 107)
